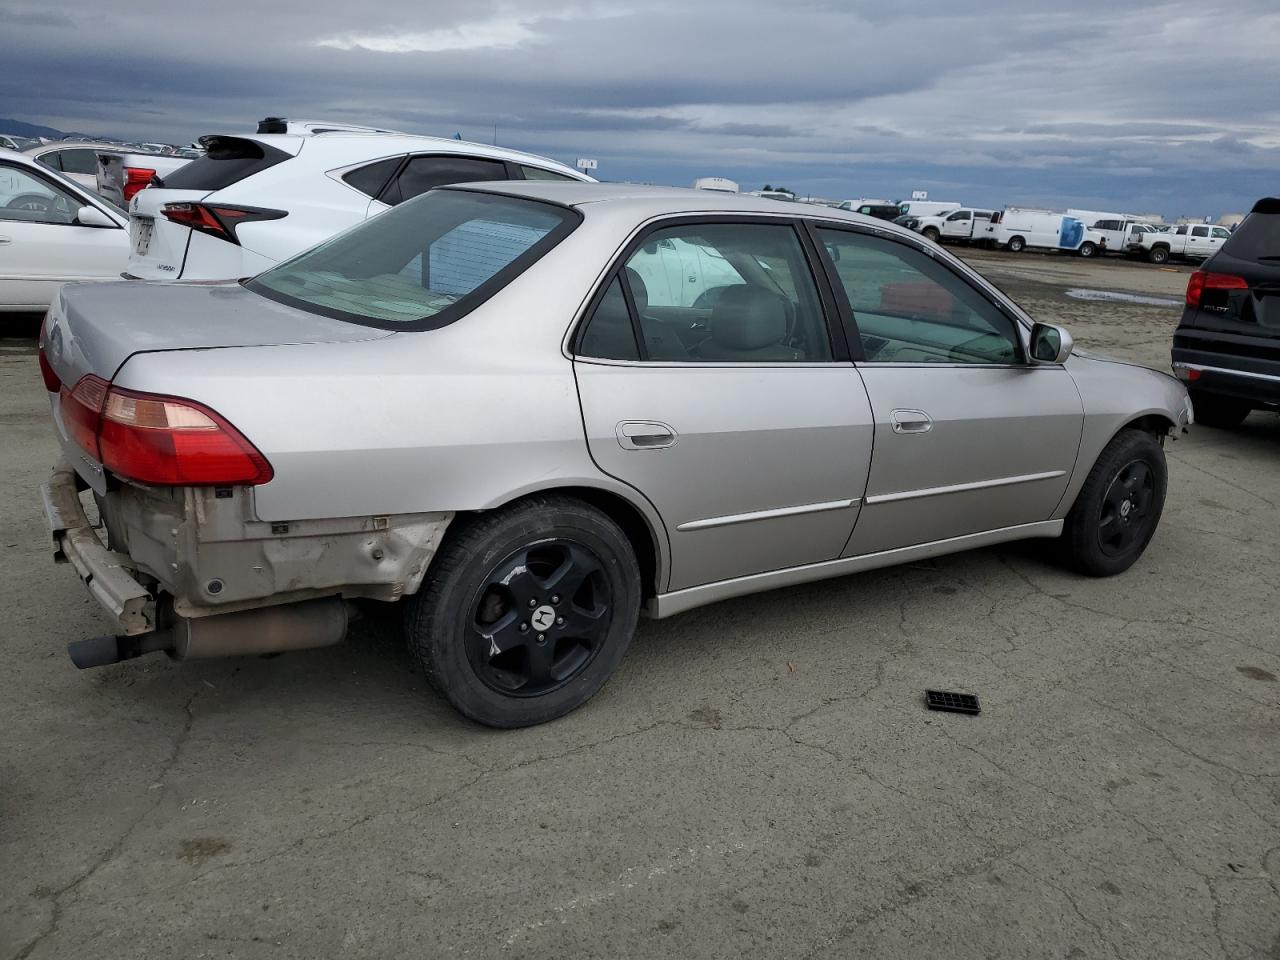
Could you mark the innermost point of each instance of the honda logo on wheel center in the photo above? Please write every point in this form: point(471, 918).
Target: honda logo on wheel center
point(543, 618)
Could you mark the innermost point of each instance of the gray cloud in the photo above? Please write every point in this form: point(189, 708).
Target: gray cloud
point(1007, 101)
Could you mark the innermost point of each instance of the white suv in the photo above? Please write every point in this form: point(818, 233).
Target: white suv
point(253, 201)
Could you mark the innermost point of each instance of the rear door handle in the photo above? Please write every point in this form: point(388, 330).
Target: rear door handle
point(645, 435)
point(4, 240)
point(910, 421)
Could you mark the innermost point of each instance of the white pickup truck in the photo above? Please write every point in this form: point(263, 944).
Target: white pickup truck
point(967, 223)
point(1186, 241)
point(1116, 234)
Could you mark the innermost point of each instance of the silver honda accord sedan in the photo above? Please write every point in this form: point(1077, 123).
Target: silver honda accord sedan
point(530, 411)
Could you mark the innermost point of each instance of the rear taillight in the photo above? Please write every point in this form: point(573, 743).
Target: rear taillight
point(51, 381)
point(1202, 280)
point(217, 220)
point(135, 179)
point(167, 441)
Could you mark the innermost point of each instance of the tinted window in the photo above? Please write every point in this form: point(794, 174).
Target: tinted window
point(981, 216)
point(727, 292)
point(911, 309)
point(1257, 238)
point(1221, 233)
point(961, 215)
point(421, 174)
point(227, 160)
point(609, 334)
point(422, 265)
point(30, 199)
point(372, 177)
point(1200, 231)
point(51, 160)
point(1181, 231)
point(80, 161)
point(537, 173)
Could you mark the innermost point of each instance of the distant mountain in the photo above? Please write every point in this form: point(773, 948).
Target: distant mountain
point(20, 129)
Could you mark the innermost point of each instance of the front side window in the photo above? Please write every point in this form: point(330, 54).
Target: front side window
point(911, 309)
point(1222, 233)
point(27, 198)
point(961, 215)
point(421, 174)
point(727, 293)
point(422, 265)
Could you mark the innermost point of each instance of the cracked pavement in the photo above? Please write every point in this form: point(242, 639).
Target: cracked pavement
point(761, 778)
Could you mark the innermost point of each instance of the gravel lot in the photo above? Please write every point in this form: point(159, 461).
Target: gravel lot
point(760, 780)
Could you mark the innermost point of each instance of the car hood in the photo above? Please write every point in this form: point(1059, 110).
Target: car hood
point(96, 327)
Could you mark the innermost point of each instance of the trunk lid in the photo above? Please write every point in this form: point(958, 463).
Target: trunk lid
point(157, 245)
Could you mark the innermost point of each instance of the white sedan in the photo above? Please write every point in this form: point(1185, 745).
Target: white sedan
point(52, 231)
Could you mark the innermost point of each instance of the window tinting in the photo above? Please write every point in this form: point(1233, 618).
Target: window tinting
point(51, 160)
point(537, 173)
point(421, 265)
point(961, 215)
point(726, 293)
point(1257, 238)
point(421, 174)
point(227, 160)
point(372, 177)
point(80, 161)
point(1200, 231)
point(911, 309)
point(1181, 231)
point(609, 334)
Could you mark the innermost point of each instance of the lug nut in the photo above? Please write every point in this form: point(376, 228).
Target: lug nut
point(533, 602)
point(524, 628)
point(555, 598)
point(542, 638)
point(559, 621)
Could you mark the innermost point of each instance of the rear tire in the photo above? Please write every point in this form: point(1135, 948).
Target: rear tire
point(1016, 245)
point(526, 612)
point(1213, 410)
point(931, 234)
point(1119, 506)
point(1159, 255)
point(1087, 249)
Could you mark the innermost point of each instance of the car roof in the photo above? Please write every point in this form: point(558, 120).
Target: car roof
point(73, 145)
point(363, 144)
point(646, 200)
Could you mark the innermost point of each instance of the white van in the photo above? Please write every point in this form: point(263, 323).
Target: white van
point(1016, 229)
point(927, 208)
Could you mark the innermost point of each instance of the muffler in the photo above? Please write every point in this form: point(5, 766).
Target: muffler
point(290, 626)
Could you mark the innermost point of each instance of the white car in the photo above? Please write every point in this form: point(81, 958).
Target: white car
point(255, 200)
point(77, 160)
point(52, 231)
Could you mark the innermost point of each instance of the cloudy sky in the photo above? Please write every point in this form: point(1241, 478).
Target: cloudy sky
point(1170, 107)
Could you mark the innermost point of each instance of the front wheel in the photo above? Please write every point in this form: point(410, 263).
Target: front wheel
point(526, 612)
point(1016, 244)
point(1087, 249)
point(931, 234)
point(1119, 506)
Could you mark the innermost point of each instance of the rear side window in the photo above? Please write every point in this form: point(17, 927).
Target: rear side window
point(372, 177)
point(1200, 231)
point(422, 265)
point(609, 334)
point(1257, 238)
point(537, 173)
point(421, 174)
point(228, 160)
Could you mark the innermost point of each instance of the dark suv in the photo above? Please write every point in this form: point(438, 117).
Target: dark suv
point(1227, 346)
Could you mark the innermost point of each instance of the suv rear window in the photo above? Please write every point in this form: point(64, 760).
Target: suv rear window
point(423, 264)
point(227, 160)
point(1257, 237)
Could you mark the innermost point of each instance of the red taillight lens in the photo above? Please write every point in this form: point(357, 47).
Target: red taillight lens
point(174, 442)
point(135, 179)
point(196, 216)
point(1202, 280)
point(81, 409)
point(51, 381)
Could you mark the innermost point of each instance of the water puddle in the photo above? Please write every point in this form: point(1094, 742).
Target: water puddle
point(1112, 296)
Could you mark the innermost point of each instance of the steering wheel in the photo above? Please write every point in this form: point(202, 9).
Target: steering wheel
point(32, 201)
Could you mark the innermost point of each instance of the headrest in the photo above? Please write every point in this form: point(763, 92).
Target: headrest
point(748, 317)
point(639, 292)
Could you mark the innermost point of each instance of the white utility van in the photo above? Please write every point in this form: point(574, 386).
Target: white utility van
point(1017, 228)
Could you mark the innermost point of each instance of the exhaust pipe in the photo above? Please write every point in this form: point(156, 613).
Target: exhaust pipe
point(291, 626)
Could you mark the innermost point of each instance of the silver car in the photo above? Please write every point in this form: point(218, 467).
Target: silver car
point(530, 411)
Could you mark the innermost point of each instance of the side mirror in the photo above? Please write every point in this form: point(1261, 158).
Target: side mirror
point(1050, 343)
point(89, 216)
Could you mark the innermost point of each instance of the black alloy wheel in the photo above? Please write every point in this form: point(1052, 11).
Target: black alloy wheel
point(539, 619)
point(1126, 509)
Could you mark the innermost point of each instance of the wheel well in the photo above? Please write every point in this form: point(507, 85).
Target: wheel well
point(1153, 423)
point(626, 516)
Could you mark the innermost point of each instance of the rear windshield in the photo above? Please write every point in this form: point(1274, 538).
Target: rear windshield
point(422, 264)
point(228, 160)
point(1257, 238)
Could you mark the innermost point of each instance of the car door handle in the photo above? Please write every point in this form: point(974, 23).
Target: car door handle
point(4, 240)
point(645, 435)
point(910, 421)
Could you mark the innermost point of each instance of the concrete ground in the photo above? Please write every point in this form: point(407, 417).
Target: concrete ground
point(760, 780)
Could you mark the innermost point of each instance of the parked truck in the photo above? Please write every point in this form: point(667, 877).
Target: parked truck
point(1186, 241)
point(962, 226)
